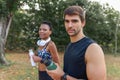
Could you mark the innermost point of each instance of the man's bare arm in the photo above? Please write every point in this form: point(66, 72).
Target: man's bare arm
point(95, 63)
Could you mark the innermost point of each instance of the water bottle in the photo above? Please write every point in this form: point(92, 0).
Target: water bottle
point(31, 59)
point(50, 65)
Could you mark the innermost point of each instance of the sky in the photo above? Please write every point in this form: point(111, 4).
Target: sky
point(114, 3)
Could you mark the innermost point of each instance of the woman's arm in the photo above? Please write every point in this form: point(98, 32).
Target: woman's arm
point(54, 52)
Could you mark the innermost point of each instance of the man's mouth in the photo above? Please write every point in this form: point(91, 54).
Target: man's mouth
point(70, 31)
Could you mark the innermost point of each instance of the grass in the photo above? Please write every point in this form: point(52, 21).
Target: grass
point(21, 69)
point(113, 67)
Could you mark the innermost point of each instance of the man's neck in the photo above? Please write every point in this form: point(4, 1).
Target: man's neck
point(76, 38)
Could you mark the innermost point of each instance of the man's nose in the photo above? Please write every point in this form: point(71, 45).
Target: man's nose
point(70, 24)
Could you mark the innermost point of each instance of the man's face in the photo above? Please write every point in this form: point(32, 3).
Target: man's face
point(73, 25)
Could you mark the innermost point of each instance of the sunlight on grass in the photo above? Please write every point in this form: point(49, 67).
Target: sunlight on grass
point(113, 70)
point(21, 69)
point(113, 67)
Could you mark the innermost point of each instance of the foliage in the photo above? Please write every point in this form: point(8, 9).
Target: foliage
point(3, 9)
point(100, 23)
point(8, 6)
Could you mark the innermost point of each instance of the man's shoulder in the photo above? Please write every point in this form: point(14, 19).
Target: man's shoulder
point(94, 51)
point(94, 47)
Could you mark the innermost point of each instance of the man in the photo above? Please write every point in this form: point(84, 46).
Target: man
point(83, 59)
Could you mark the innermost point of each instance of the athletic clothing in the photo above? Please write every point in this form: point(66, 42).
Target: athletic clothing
point(44, 54)
point(74, 58)
point(44, 76)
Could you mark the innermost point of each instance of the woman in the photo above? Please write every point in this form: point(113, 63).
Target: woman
point(46, 46)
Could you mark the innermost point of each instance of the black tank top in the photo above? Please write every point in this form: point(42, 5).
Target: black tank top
point(74, 58)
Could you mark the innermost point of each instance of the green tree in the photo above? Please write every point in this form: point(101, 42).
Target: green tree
point(113, 24)
point(98, 24)
point(7, 7)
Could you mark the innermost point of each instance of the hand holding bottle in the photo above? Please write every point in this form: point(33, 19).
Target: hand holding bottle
point(47, 60)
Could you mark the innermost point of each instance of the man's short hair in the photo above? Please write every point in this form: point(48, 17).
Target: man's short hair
point(75, 10)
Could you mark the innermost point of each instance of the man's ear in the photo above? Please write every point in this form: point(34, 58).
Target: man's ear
point(83, 23)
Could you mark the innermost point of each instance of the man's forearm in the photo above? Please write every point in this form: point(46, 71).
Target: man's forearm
point(72, 78)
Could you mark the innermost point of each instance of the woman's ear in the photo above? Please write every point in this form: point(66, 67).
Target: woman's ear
point(50, 32)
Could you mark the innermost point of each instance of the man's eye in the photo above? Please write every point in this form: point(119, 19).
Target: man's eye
point(74, 21)
point(66, 21)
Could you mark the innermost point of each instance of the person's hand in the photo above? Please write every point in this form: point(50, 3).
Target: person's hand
point(36, 58)
point(55, 74)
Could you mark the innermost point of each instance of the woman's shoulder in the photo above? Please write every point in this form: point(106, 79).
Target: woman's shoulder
point(51, 46)
point(51, 43)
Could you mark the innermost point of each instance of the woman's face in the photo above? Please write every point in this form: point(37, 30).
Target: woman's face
point(44, 31)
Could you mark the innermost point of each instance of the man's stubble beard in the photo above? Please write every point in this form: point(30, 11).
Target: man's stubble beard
point(76, 33)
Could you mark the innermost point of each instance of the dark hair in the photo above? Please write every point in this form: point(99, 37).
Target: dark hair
point(47, 23)
point(75, 10)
